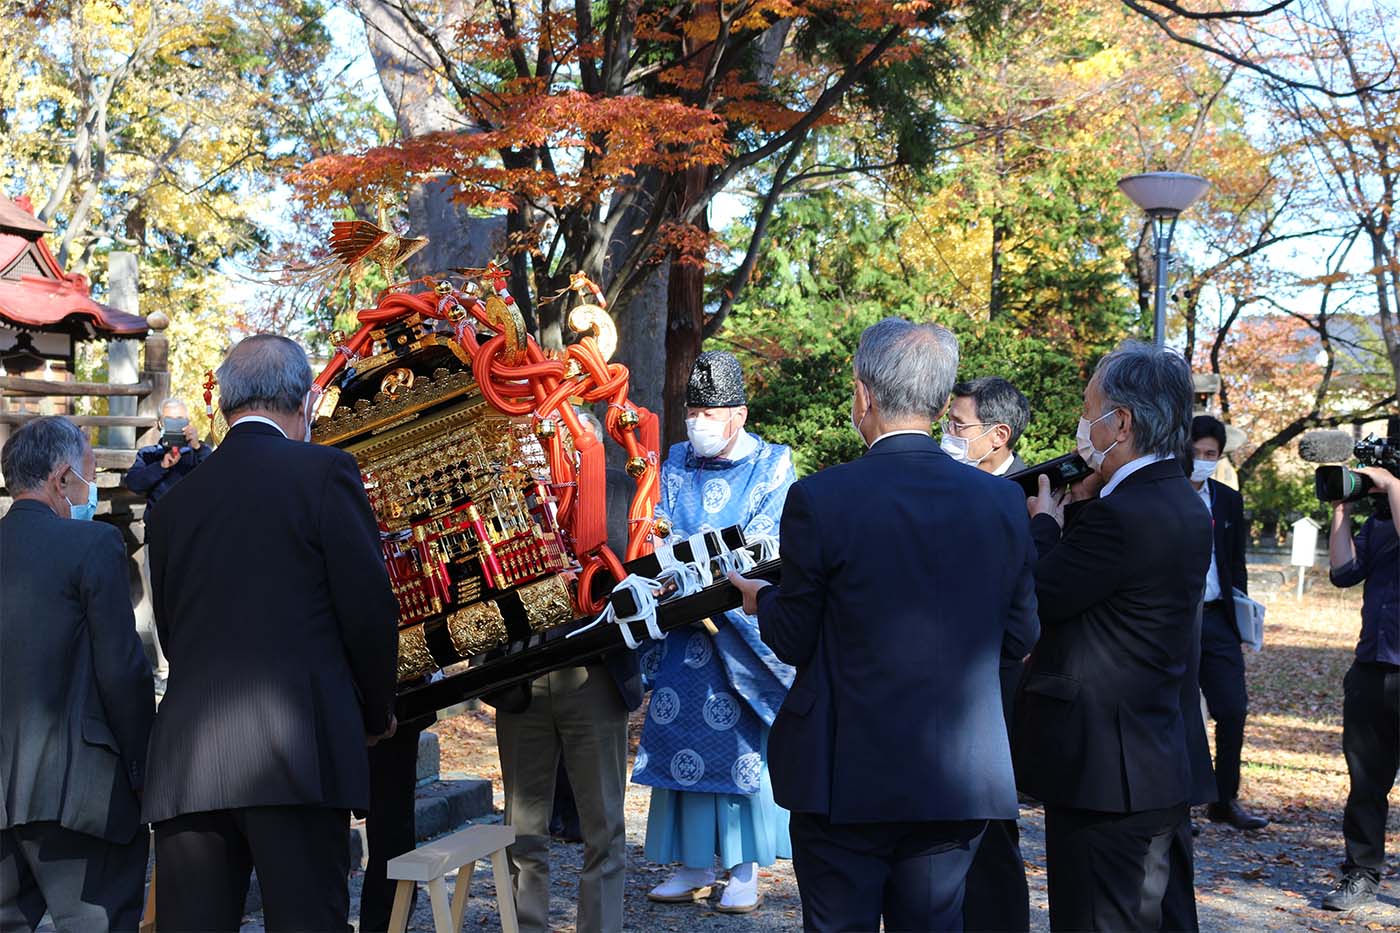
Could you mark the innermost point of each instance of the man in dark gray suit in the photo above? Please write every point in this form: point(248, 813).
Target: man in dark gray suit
point(76, 694)
point(274, 607)
point(986, 417)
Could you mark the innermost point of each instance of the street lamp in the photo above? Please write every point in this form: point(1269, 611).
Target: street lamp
point(1163, 195)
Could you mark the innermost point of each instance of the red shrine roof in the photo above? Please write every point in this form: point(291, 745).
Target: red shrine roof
point(35, 292)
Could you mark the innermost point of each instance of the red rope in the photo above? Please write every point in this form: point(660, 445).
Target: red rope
point(540, 387)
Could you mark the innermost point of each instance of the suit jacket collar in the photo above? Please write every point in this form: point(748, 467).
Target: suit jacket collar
point(252, 427)
point(904, 443)
point(1155, 473)
point(1014, 464)
point(31, 505)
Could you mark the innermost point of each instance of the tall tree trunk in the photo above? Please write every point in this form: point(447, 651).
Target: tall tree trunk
point(685, 319)
point(422, 104)
point(1387, 277)
point(1144, 270)
point(996, 300)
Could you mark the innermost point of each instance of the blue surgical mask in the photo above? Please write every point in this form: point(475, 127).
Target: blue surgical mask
point(84, 512)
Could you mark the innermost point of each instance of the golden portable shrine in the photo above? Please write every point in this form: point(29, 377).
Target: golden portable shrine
point(489, 488)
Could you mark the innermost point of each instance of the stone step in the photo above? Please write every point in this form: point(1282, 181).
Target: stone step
point(429, 757)
point(440, 806)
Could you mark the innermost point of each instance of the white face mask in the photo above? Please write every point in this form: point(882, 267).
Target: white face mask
point(707, 437)
point(1085, 446)
point(956, 447)
point(1201, 470)
point(855, 425)
point(308, 411)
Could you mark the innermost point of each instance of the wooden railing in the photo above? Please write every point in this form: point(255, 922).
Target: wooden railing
point(150, 390)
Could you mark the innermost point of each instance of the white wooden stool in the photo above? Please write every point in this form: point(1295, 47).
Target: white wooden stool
point(431, 862)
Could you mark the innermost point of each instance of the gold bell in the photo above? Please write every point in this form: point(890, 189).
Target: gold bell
point(546, 428)
point(636, 466)
point(443, 288)
point(629, 418)
point(661, 528)
point(338, 338)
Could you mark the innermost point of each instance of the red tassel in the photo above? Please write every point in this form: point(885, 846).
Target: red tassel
point(588, 518)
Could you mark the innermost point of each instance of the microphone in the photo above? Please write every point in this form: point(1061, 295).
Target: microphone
point(1326, 446)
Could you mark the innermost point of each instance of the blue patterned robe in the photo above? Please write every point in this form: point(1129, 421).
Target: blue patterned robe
point(713, 698)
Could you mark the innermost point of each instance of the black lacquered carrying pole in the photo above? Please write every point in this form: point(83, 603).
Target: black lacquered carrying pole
point(555, 652)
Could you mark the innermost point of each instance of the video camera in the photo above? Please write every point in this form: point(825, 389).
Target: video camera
point(1062, 471)
point(1334, 482)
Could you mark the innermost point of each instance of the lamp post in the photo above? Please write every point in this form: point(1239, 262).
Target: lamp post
point(1163, 195)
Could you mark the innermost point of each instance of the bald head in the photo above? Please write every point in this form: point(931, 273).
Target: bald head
point(265, 372)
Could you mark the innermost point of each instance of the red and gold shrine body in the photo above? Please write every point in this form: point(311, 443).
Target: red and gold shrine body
point(489, 489)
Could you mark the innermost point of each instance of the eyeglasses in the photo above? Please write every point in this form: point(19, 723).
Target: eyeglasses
point(955, 428)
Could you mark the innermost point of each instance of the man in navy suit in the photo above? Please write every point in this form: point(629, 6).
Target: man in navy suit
point(903, 572)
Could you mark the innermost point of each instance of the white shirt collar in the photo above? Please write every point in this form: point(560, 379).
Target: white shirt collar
point(1128, 469)
point(745, 445)
point(1005, 466)
point(249, 419)
point(893, 433)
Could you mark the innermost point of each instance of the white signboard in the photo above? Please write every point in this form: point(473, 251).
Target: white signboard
point(1304, 540)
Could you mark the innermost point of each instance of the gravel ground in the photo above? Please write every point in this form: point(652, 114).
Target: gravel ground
point(1271, 880)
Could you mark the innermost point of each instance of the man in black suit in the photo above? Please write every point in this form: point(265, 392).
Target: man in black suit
point(986, 418)
point(75, 689)
point(274, 607)
point(1100, 735)
point(390, 824)
point(1222, 661)
point(902, 574)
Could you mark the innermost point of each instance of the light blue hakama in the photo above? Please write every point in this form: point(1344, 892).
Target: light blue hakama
point(694, 828)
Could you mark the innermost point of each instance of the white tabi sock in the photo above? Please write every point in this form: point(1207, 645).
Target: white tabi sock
point(742, 888)
point(685, 879)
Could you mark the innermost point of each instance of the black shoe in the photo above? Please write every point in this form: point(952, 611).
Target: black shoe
point(1356, 889)
point(1237, 816)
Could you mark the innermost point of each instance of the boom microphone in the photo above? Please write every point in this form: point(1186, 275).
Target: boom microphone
point(1326, 446)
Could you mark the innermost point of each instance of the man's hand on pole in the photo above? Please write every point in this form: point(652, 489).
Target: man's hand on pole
point(749, 589)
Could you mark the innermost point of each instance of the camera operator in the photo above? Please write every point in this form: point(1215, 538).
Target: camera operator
point(160, 466)
point(1371, 709)
point(157, 469)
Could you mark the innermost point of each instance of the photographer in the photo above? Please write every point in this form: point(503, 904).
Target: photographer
point(158, 467)
point(1371, 709)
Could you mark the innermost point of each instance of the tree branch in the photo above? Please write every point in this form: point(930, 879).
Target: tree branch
point(741, 275)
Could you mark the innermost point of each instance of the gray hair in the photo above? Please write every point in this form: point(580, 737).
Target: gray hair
point(997, 402)
point(908, 368)
point(591, 421)
point(264, 371)
point(1153, 383)
point(32, 452)
point(174, 403)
